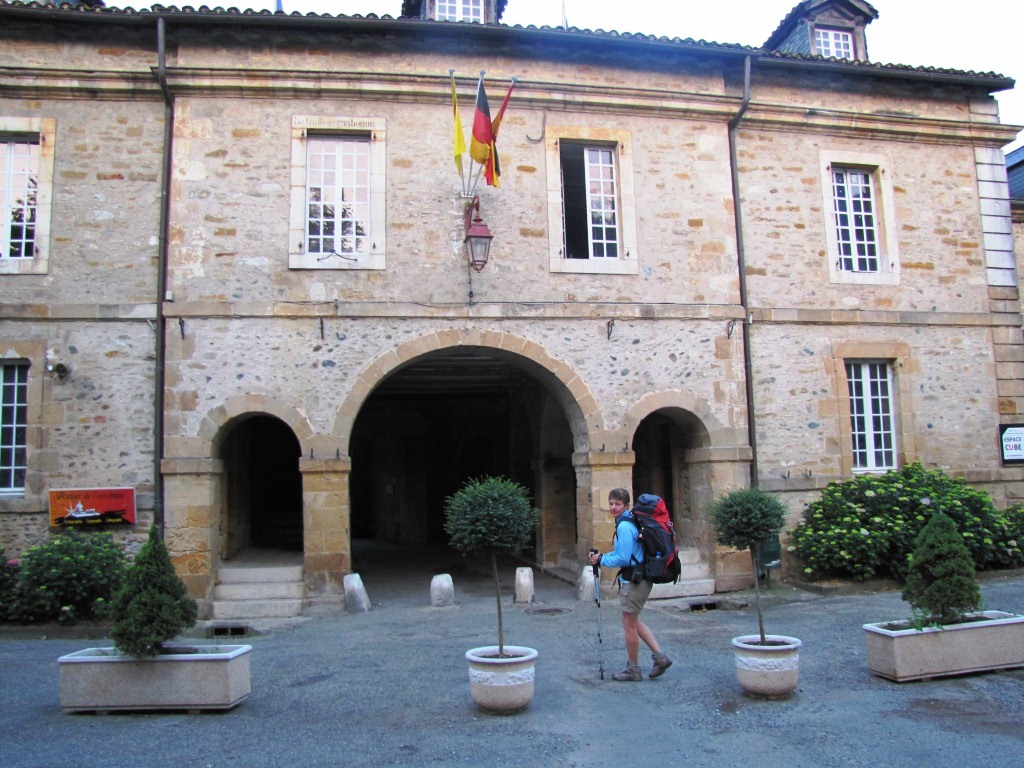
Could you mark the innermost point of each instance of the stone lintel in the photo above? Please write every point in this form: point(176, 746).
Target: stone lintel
point(332, 465)
point(206, 466)
point(604, 459)
point(727, 453)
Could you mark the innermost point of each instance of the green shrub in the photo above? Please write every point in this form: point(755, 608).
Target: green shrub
point(8, 584)
point(747, 516)
point(491, 515)
point(743, 518)
point(70, 577)
point(941, 586)
point(152, 606)
point(866, 527)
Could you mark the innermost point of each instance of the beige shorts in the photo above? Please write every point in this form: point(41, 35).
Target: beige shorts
point(632, 597)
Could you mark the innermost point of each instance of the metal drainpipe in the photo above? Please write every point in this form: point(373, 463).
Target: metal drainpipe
point(741, 265)
point(161, 281)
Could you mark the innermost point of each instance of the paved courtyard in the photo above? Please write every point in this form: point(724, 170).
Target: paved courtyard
point(389, 688)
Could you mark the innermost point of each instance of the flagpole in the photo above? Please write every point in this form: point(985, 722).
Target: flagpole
point(476, 181)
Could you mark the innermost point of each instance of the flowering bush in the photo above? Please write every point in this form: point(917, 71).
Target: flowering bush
point(70, 577)
point(866, 527)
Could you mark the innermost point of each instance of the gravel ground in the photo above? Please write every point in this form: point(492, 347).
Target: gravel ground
point(389, 688)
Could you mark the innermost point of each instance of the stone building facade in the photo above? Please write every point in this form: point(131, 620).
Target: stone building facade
point(266, 370)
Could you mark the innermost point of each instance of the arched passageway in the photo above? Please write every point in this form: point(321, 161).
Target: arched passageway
point(445, 417)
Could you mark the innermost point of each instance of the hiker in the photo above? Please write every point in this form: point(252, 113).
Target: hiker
point(632, 597)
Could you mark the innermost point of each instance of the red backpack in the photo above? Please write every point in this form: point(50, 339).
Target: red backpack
point(658, 536)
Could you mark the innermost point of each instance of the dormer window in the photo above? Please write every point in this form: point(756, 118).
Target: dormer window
point(833, 43)
point(832, 29)
point(460, 10)
point(472, 11)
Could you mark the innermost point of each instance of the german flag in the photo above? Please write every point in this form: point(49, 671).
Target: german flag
point(482, 141)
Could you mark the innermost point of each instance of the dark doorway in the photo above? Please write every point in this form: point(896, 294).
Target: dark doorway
point(263, 487)
point(661, 443)
point(429, 427)
point(658, 458)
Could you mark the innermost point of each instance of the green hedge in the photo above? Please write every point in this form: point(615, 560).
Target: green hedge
point(866, 527)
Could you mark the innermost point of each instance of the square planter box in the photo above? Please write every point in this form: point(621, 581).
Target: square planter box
point(997, 642)
point(192, 678)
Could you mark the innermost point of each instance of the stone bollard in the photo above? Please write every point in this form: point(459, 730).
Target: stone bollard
point(524, 585)
point(356, 599)
point(585, 588)
point(442, 591)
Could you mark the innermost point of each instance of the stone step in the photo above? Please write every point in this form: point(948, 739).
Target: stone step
point(256, 609)
point(234, 574)
point(259, 590)
point(683, 588)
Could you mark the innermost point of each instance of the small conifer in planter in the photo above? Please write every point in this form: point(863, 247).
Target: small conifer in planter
point(152, 606)
point(491, 515)
point(941, 586)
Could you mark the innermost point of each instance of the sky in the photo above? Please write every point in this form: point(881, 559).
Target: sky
point(980, 35)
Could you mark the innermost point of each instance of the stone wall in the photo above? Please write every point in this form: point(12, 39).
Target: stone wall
point(246, 334)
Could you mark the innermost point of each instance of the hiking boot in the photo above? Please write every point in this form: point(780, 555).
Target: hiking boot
point(631, 674)
point(661, 663)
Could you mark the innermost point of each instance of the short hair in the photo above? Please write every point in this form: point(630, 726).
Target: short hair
point(619, 493)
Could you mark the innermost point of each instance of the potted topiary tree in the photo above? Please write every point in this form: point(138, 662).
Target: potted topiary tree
point(494, 515)
point(948, 634)
point(767, 666)
point(142, 671)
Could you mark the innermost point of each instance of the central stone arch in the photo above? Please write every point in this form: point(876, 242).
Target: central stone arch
point(580, 406)
point(415, 425)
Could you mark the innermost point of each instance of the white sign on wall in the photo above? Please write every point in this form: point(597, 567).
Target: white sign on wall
point(1011, 439)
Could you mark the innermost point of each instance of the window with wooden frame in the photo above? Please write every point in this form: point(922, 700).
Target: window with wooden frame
point(859, 211)
point(337, 218)
point(460, 10)
point(591, 206)
point(26, 193)
point(13, 425)
point(833, 43)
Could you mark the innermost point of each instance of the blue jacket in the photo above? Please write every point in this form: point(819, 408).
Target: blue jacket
point(628, 549)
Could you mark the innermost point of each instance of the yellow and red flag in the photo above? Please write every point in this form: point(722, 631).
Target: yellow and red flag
point(459, 144)
point(494, 179)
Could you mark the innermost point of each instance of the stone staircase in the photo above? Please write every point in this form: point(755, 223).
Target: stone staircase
point(257, 591)
point(695, 579)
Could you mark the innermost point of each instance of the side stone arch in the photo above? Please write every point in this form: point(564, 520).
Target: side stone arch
point(712, 431)
point(211, 430)
point(193, 472)
point(704, 458)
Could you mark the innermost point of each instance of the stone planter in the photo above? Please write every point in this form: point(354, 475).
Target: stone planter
point(192, 678)
point(997, 642)
point(501, 686)
point(767, 671)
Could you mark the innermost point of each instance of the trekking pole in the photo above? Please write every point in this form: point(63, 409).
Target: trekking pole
point(597, 599)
